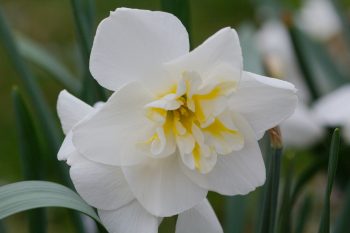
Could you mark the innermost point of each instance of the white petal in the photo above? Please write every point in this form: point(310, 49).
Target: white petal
point(71, 110)
point(264, 102)
point(199, 219)
point(131, 218)
point(301, 129)
point(67, 147)
point(238, 173)
point(132, 44)
point(332, 109)
point(111, 135)
point(185, 145)
point(220, 50)
point(163, 145)
point(161, 187)
point(101, 186)
point(320, 19)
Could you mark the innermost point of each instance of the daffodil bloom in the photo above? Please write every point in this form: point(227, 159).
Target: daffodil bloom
point(332, 111)
point(301, 130)
point(179, 123)
point(319, 19)
point(105, 187)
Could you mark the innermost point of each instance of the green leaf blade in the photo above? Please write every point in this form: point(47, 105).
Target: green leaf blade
point(27, 195)
point(304, 214)
point(268, 218)
point(332, 169)
point(30, 156)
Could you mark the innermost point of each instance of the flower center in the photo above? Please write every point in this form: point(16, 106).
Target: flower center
point(193, 119)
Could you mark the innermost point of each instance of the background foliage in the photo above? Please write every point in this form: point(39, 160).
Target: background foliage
point(56, 56)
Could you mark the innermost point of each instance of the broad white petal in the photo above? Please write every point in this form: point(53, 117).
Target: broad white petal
point(301, 129)
point(132, 44)
point(332, 109)
point(71, 110)
point(199, 219)
point(67, 147)
point(264, 102)
point(237, 173)
point(111, 135)
point(131, 218)
point(162, 188)
point(101, 186)
point(220, 52)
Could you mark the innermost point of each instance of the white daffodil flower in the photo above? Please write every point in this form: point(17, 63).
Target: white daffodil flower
point(331, 110)
point(301, 130)
point(319, 19)
point(104, 186)
point(274, 43)
point(179, 123)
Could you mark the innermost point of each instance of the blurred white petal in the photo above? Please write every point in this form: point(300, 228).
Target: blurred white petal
point(319, 19)
point(301, 130)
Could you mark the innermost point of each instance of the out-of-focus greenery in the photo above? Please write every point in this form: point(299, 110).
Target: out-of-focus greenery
point(50, 24)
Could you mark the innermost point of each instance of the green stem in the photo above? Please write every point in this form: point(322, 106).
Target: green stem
point(268, 219)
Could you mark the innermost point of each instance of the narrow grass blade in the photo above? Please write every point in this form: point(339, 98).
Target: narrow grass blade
point(268, 218)
point(83, 27)
point(284, 216)
point(235, 214)
point(305, 177)
point(91, 91)
point(342, 222)
point(36, 54)
point(31, 157)
point(332, 169)
point(90, 6)
point(298, 44)
point(181, 9)
point(303, 215)
point(27, 195)
point(36, 96)
point(30, 151)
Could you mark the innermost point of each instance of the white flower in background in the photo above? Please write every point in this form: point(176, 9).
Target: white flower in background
point(319, 19)
point(105, 187)
point(274, 43)
point(333, 110)
point(179, 123)
point(301, 130)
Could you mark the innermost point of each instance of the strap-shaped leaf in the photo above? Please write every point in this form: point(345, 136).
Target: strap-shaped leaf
point(268, 217)
point(27, 195)
point(332, 169)
point(30, 156)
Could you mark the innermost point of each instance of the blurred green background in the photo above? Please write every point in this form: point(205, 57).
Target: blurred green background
point(50, 23)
